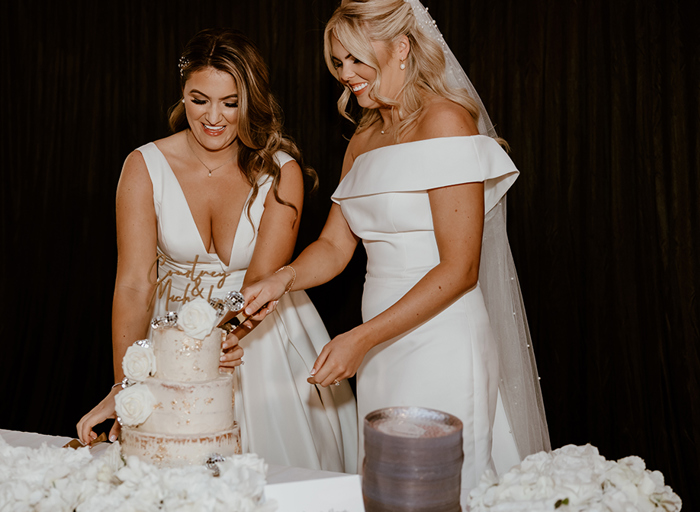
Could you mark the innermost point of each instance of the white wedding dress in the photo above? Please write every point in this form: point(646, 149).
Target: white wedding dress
point(449, 362)
point(282, 417)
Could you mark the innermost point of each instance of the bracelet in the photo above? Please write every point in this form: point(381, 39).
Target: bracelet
point(294, 277)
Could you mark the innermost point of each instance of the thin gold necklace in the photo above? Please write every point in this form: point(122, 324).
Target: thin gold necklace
point(200, 160)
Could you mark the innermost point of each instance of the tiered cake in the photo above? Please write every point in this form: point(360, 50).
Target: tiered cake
point(177, 408)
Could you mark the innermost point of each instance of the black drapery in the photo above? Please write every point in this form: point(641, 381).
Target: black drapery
point(599, 101)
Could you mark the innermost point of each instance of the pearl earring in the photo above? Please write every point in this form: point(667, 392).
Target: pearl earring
point(183, 100)
point(402, 66)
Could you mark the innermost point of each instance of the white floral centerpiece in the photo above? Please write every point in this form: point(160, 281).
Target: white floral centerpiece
point(62, 479)
point(574, 479)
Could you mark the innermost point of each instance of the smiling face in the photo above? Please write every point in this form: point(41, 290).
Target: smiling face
point(211, 106)
point(359, 77)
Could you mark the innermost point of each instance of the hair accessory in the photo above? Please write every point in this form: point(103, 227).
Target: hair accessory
point(182, 64)
point(294, 277)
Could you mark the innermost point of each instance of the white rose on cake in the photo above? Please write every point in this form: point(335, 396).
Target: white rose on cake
point(197, 318)
point(134, 405)
point(139, 362)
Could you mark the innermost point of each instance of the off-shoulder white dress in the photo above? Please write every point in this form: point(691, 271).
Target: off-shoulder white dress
point(282, 417)
point(449, 362)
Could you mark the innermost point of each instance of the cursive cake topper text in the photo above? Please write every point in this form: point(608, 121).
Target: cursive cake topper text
point(194, 288)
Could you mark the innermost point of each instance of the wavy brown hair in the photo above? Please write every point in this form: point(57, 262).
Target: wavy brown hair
point(358, 23)
point(260, 120)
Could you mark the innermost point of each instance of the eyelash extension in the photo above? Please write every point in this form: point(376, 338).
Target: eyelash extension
point(202, 102)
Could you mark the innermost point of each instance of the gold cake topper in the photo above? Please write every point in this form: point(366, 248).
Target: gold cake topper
point(194, 288)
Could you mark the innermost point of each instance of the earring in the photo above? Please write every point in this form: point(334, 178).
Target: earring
point(183, 100)
point(402, 66)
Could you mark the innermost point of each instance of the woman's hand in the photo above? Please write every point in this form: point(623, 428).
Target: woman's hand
point(231, 351)
point(262, 296)
point(101, 412)
point(339, 359)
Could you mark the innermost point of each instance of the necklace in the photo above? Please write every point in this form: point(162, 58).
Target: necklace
point(200, 160)
point(392, 123)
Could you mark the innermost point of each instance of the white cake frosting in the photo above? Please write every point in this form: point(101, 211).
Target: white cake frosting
point(186, 359)
point(190, 407)
point(181, 409)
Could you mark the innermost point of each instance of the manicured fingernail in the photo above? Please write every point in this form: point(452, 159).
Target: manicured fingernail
point(112, 438)
point(313, 371)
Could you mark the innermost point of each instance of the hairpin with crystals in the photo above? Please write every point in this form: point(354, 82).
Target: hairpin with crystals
point(182, 64)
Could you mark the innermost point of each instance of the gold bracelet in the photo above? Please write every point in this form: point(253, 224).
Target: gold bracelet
point(294, 277)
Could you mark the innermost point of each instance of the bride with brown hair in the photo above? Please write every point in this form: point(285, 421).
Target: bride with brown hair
point(217, 205)
point(423, 186)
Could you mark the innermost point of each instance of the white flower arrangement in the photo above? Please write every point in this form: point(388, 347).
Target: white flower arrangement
point(197, 318)
point(134, 404)
point(139, 362)
point(574, 479)
point(62, 479)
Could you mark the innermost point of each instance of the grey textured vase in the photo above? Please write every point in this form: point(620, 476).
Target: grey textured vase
point(413, 460)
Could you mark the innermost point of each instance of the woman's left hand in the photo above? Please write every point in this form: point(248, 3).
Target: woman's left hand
point(231, 351)
point(339, 359)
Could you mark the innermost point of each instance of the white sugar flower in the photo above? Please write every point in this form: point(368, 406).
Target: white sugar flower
point(134, 405)
point(139, 362)
point(197, 318)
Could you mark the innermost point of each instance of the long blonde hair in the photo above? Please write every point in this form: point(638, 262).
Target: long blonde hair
point(359, 23)
point(260, 131)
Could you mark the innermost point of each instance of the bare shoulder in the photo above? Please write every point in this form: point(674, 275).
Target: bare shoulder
point(134, 164)
point(291, 171)
point(134, 175)
point(356, 146)
point(444, 118)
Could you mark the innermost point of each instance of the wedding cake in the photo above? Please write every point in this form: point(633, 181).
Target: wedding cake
point(176, 407)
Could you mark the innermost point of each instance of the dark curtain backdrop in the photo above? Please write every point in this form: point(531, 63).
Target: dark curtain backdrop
point(598, 100)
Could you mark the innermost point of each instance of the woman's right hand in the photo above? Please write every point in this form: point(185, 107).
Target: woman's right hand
point(101, 412)
point(262, 296)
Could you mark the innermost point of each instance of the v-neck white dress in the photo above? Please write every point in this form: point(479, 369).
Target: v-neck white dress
point(282, 417)
point(450, 362)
